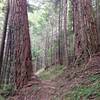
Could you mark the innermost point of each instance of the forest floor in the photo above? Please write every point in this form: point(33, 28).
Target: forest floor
point(57, 83)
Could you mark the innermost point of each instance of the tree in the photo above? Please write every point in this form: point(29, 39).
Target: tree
point(76, 27)
point(90, 27)
point(17, 62)
point(85, 28)
point(66, 60)
point(98, 19)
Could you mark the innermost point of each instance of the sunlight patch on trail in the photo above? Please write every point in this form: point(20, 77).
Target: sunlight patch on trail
point(39, 71)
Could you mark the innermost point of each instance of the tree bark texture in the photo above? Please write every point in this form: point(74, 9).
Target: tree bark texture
point(17, 62)
point(85, 28)
point(98, 20)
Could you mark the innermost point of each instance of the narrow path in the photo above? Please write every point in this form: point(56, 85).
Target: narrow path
point(40, 90)
point(45, 90)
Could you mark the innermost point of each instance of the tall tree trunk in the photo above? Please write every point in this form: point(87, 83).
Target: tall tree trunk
point(66, 60)
point(98, 20)
point(89, 26)
point(17, 63)
point(76, 27)
point(52, 43)
point(60, 40)
point(86, 41)
point(46, 51)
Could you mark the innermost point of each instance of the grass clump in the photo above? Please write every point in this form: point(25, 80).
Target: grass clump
point(51, 73)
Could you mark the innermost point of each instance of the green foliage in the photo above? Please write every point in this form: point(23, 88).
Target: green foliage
point(38, 19)
point(6, 90)
point(2, 11)
point(85, 92)
point(70, 18)
point(93, 78)
point(51, 73)
point(2, 98)
point(35, 52)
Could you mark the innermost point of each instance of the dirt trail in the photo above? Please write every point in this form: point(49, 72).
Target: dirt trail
point(40, 90)
point(46, 90)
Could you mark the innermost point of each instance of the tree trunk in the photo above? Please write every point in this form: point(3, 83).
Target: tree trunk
point(66, 61)
point(98, 20)
point(76, 27)
point(17, 63)
point(89, 26)
point(86, 41)
point(60, 39)
point(46, 51)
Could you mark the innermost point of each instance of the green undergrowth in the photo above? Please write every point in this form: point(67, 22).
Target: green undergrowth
point(86, 92)
point(51, 73)
point(2, 98)
point(5, 91)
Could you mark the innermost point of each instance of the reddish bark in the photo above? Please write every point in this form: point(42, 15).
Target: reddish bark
point(84, 28)
point(89, 26)
point(77, 28)
point(17, 64)
point(98, 20)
